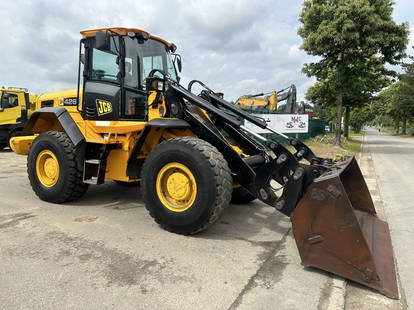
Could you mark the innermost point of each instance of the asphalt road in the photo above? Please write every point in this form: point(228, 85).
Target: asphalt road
point(106, 252)
point(393, 159)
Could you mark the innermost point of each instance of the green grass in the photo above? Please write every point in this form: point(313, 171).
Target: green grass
point(323, 146)
point(352, 146)
point(390, 132)
point(393, 132)
point(355, 134)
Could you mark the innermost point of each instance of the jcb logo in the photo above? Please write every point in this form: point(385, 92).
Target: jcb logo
point(103, 107)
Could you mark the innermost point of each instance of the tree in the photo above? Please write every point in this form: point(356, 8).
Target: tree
point(384, 106)
point(355, 97)
point(353, 40)
point(405, 94)
point(396, 102)
point(360, 116)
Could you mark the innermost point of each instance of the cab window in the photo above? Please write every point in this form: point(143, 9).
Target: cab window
point(135, 105)
point(131, 63)
point(10, 102)
point(155, 56)
point(131, 75)
point(150, 63)
point(105, 63)
point(141, 57)
point(104, 66)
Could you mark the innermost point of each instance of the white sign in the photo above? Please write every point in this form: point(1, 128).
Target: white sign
point(284, 123)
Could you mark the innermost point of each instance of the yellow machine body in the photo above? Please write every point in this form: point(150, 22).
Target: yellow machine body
point(16, 107)
point(268, 102)
point(121, 133)
point(19, 103)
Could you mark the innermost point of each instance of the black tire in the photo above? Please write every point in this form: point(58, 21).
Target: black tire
point(241, 196)
point(128, 184)
point(213, 181)
point(2, 146)
point(15, 133)
point(69, 186)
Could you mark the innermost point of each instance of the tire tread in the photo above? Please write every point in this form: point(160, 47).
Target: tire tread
point(223, 181)
point(75, 188)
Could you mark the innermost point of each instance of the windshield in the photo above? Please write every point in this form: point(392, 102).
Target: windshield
point(142, 57)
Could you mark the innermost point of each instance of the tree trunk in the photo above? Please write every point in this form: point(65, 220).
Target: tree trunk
point(397, 127)
point(346, 122)
point(404, 126)
point(338, 119)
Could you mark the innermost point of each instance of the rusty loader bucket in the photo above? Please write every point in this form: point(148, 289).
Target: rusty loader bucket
point(337, 230)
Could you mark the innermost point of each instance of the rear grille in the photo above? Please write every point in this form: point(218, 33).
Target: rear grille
point(90, 112)
point(47, 104)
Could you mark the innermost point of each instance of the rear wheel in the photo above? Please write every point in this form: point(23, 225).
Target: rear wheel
point(55, 168)
point(186, 184)
point(241, 196)
point(15, 133)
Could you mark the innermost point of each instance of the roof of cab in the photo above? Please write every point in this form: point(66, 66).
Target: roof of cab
point(122, 31)
point(14, 89)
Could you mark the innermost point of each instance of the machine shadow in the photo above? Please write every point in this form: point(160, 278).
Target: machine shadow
point(249, 223)
point(109, 194)
point(243, 222)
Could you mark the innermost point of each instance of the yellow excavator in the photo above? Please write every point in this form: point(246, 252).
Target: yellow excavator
point(131, 120)
point(269, 102)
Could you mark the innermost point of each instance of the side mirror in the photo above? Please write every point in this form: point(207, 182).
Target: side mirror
point(177, 61)
point(102, 41)
point(179, 64)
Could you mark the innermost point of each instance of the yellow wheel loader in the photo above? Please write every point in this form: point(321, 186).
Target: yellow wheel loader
point(131, 120)
point(16, 106)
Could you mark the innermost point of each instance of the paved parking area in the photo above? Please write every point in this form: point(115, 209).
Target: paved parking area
point(106, 252)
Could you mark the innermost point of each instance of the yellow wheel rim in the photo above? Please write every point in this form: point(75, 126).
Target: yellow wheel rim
point(47, 168)
point(176, 187)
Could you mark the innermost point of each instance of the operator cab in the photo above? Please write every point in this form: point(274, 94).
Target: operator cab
point(117, 63)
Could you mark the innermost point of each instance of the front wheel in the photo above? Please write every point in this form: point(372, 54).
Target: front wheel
point(186, 184)
point(55, 168)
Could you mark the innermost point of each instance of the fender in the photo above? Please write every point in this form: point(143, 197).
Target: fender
point(133, 167)
point(58, 119)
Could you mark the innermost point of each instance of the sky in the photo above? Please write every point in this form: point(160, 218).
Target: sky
point(236, 47)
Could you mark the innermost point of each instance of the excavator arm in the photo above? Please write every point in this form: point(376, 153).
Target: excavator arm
point(270, 101)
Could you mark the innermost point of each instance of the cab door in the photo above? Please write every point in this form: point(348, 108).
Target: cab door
point(102, 82)
point(10, 110)
point(135, 98)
